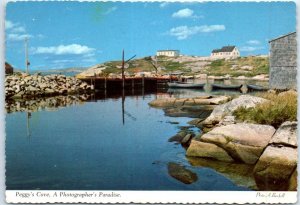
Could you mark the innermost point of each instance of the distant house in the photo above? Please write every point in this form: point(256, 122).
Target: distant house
point(169, 53)
point(283, 62)
point(8, 69)
point(226, 52)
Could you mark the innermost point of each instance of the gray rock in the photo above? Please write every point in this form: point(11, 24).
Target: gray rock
point(227, 120)
point(244, 142)
point(293, 181)
point(274, 168)
point(32, 89)
point(173, 102)
point(186, 139)
point(228, 108)
point(163, 102)
point(286, 135)
point(181, 174)
point(178, 137)
point(207, 150)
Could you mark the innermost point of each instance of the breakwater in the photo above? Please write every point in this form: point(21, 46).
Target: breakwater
point(31, 86)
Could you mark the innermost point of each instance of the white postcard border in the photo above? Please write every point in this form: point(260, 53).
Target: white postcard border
point(63, 196)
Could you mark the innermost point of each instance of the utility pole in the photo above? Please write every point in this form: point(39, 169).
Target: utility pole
point(26, 56)
point(123, 64)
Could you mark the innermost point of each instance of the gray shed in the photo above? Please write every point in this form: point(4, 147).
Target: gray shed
point(283, 62)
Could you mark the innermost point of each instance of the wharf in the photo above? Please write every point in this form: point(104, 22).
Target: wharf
point(102, 83)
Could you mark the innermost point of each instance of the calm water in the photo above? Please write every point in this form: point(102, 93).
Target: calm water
point(88, 147)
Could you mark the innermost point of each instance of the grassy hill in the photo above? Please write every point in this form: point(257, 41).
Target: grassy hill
point(247, 66)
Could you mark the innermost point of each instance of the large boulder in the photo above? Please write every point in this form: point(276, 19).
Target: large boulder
point(8, 68)
point(228, 108)
point(274, 168)
point(201, 100)
point(207, 150)
point(243, 142)
point(199, 111)
point(286, 135)
point(162, 102)
point(293, 181)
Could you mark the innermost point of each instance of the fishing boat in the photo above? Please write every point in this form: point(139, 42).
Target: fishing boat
point(226, 87)
point(251, 87)
point(185, 85)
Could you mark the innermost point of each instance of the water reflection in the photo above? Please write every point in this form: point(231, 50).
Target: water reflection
point(240, 174)
point(49, 104)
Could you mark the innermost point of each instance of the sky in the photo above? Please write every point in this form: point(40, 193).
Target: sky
point(81, 34)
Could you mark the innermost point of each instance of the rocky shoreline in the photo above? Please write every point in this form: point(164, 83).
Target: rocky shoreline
point(20, 86)
point(272, 152)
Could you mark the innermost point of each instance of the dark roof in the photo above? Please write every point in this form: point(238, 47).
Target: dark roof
point(224, 49)
point(282, 36)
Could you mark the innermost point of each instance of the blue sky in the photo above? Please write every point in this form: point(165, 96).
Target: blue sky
point(79, 34)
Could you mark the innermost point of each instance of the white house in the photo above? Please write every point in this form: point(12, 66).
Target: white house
point(169, 53)
point(225, 52)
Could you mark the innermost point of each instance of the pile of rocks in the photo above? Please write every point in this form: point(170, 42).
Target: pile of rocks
point(28, 86)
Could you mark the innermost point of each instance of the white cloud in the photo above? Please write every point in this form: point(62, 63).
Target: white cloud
point(14, 27)
point(253, 42)
point(9, 24)
point(63, 61)
point(18, 29)
point(75, 49)
point(183, 32)
point(251, 48)
point(183, 13)
point(18, 37)
point(164, 4)
point(110, 10)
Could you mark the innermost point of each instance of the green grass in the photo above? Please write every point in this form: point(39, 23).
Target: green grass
point(260, 65)
point(280, 108)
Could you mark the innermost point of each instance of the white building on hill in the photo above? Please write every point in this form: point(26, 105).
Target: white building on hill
point(169, 53)
point(226, 52)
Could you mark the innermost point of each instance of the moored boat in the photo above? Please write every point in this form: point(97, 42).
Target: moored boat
point(251, 87)
point(226, 87)
point(185, 85)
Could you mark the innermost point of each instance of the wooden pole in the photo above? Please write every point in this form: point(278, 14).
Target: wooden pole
point(132, 85)
point(123, 106)
point(26, 56)
point(123, 64)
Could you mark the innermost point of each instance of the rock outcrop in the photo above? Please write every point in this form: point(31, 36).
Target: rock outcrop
point(197, 107)
point(8, 69)
point(242, 142)
point(276, 167)
point(182, 174)
point(207, 150)
point(177, 102)
point(28, 86)
point(228, 108)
